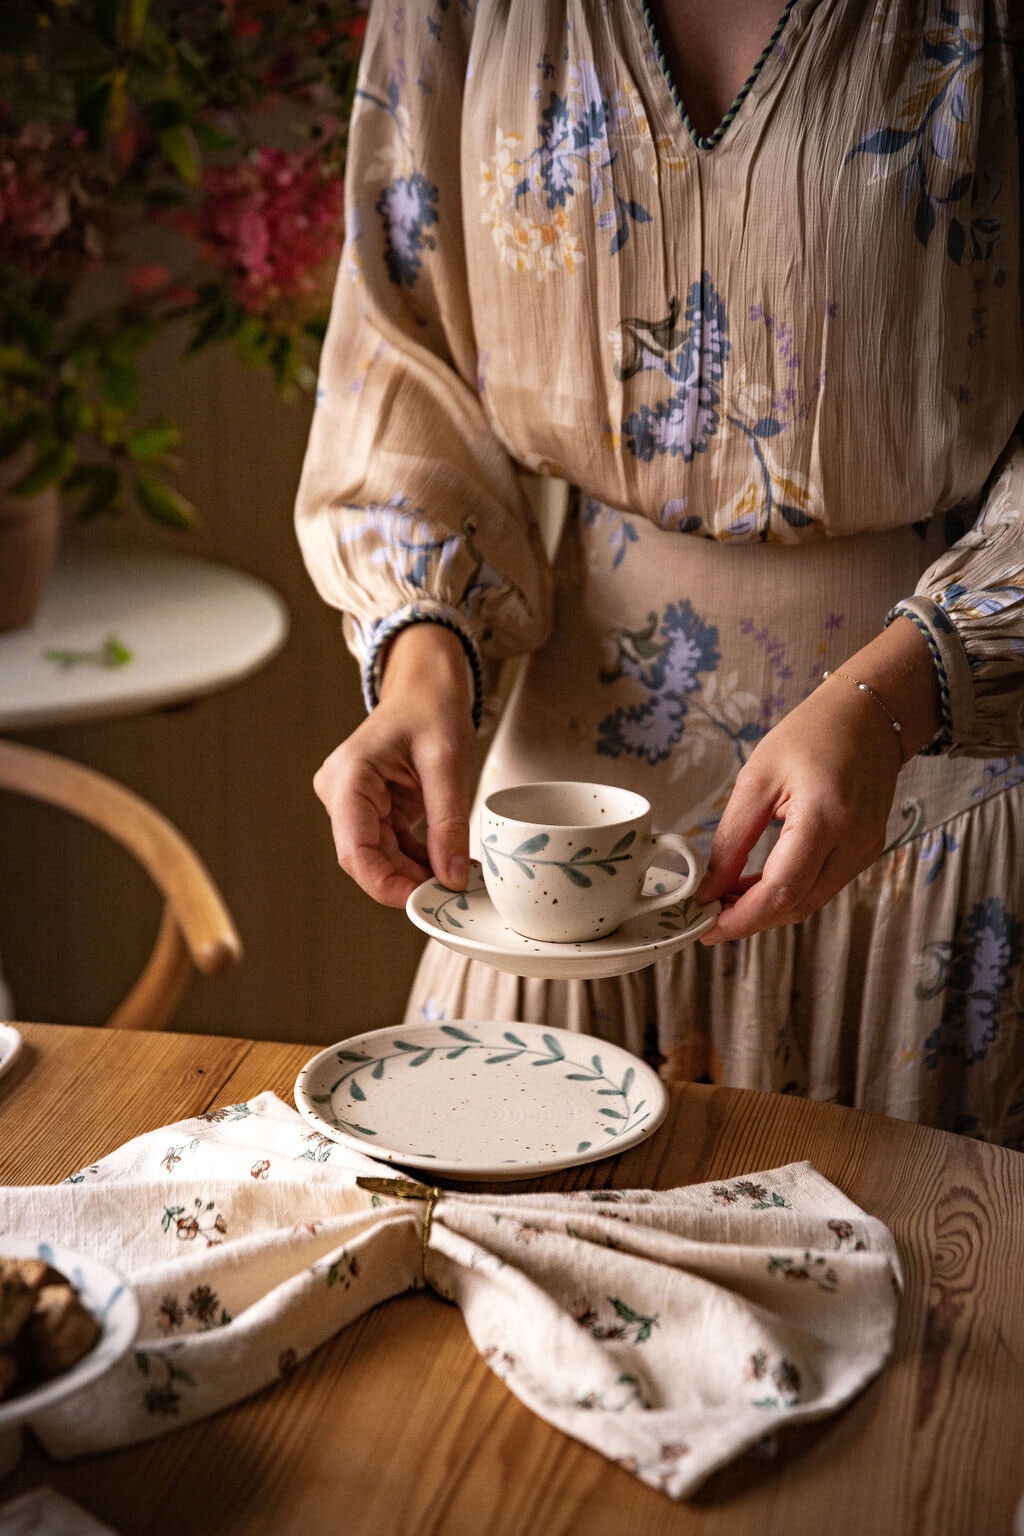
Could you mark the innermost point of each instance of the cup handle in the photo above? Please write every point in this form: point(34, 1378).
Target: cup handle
point(694, 875)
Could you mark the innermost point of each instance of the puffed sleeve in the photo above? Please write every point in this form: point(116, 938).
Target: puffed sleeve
point(409, 509)
point(970, 606)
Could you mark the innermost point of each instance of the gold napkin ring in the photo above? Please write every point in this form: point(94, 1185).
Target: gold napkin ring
point(407, 1189)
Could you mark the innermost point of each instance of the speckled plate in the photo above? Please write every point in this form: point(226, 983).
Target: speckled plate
point(466, 922)
point(10, 1047)
point(481, 1100)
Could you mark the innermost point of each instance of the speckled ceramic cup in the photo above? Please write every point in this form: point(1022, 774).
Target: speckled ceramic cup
point(565, 862)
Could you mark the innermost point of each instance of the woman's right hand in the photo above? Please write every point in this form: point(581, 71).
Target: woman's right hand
point(412, 757)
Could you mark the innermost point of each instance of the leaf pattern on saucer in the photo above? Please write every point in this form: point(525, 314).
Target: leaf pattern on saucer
point(362, 1070)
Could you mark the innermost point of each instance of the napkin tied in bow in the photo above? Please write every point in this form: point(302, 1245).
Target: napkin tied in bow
point(669, 1330)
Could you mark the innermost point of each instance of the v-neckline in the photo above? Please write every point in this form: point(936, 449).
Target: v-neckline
point(708, 141)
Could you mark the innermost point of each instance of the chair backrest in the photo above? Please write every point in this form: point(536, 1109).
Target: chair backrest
point(196, 928)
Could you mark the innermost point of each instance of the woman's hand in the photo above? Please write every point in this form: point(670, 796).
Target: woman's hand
point(411, 757)
point(828, 772)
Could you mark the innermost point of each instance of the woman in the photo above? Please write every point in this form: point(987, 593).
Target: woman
point(761, 306)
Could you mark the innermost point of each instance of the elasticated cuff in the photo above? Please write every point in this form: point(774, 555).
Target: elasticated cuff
point(384, 632)
point(956, 685)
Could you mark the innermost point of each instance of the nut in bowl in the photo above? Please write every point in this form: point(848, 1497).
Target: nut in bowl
point(565, 862)
point(65, 1319)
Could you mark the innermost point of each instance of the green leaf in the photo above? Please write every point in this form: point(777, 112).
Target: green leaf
point(19, 366)
point(577, 876)
point(50, 467)
point(355, 1090)
point(179, 148)
point(119, 383)
point(163, 504)
point(98, 485)
point(152, 442)
point(623, 844)
point(458, 1034)
point(553, 1046)
point(535, 844)
point(220, 323)
point(138, 10)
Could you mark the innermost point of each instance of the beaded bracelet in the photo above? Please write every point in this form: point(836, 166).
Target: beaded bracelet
point(866, 688)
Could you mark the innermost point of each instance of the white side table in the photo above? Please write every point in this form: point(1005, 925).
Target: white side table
point(192, 626)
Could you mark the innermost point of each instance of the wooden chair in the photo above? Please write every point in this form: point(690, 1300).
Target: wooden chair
point(196, 928)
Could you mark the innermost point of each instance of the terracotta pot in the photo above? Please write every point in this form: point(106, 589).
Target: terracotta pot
point(29, 535)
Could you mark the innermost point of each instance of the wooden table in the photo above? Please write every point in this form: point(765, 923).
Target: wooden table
point(397, 1426)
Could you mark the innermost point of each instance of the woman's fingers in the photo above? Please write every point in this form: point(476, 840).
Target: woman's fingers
point(787, 890)
point(444, 772)
point(745, 818)
point(813, 774)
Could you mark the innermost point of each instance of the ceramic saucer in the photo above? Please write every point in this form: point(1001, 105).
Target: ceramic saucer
point(467, 923)
point(466, 1098)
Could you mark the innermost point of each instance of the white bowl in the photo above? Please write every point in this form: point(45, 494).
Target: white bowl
point(114, 1307)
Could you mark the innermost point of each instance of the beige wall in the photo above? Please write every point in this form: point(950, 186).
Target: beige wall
point(232, 771)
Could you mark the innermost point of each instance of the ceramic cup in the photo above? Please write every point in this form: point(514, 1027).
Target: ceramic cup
point(565, 862)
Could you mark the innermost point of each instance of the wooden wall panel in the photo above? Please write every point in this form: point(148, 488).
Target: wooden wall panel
point(233, 771)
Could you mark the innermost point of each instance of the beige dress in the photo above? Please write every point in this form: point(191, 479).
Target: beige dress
point(782, 367)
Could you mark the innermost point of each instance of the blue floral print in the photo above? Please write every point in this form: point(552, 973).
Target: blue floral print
point(401, 538)
point(408, 204)
point(929, 143)
point(693, 357)
point(975, 971)
point(408, 208)
point(621, 530)
point(582, 130)
point(670, 658)
point(577, 149)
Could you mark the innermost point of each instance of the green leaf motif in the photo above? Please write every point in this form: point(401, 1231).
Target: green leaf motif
point(532, 845)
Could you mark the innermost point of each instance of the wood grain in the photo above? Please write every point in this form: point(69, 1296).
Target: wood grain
point(397, 1427)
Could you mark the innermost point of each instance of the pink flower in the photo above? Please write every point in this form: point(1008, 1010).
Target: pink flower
point(273, 224)
point(48, 193)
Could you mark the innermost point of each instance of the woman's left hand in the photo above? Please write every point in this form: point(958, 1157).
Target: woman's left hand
point(828, 772)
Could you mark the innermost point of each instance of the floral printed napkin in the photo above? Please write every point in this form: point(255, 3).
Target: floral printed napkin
point(671, 1331)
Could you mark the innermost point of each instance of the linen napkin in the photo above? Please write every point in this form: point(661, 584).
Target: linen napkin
point(670, 1331)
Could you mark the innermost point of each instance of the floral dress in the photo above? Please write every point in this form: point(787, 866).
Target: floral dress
point(781, 367)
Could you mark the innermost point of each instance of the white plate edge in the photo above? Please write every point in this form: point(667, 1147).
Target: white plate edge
point(476, 1173)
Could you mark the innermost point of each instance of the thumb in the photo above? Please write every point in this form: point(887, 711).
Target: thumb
point(744, 819)
point(445, 788)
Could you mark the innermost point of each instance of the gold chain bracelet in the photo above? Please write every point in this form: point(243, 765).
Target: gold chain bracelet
point(867, 688)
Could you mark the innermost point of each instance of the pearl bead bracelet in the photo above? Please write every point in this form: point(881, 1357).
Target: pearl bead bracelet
point(866, 688)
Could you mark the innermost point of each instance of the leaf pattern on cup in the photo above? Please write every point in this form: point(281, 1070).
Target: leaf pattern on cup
point(526, 858)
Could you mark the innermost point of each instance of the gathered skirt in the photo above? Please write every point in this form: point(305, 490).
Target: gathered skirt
point(670, 657)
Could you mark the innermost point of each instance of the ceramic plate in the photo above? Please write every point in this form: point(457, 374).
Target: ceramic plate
point(468, 924)
point(108, 1299)
point(481, 1100)
point(10, 1047)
